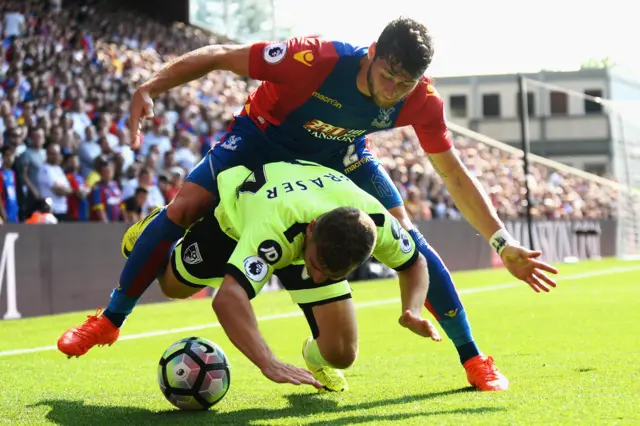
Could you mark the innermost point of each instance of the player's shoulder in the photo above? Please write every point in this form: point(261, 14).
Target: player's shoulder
point(306, 50)
point(425, 92)
point(423, 103)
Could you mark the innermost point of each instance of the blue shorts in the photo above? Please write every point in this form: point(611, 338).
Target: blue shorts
point(246, 145)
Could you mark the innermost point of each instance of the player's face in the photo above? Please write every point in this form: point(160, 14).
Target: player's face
point(316, 270)
point(388, 85)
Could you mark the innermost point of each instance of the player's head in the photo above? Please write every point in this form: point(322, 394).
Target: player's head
point(337, 243)
point(398, 59)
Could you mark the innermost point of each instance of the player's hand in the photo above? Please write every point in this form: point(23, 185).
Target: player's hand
point(280, 372)
point(420, 326)
point(523, 264)
point(141, 108)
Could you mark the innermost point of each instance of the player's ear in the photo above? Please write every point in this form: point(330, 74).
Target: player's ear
point(310, 227)
point(372, 51)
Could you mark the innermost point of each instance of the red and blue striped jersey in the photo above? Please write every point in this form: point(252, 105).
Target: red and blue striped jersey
point(107, 197)
point(309, 101)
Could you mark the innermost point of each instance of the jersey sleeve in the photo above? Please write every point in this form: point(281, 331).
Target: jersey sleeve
point(394, 246)
point(428, 119)
point(257, 255)
point(286, 61)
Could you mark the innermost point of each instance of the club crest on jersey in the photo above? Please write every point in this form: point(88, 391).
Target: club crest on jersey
point(255, 268)
point(231, 143)
point(274, 53)
point(192, 255)
point(384, 118)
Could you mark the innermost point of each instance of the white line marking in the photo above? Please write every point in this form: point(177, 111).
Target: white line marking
point(619, 270)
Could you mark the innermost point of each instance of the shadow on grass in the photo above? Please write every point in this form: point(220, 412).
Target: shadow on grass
point(70, 412)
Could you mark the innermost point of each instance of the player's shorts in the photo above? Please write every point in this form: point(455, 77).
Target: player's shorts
point(246, 145)
point(199, 260)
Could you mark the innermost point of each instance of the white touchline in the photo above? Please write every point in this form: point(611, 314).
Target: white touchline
point(361, 305)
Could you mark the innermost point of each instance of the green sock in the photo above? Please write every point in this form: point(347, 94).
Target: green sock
point(312, 354)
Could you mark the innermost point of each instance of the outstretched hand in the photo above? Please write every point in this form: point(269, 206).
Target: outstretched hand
point(523, 264)
point(420, 326)
point(280, 372)
point(141, 108)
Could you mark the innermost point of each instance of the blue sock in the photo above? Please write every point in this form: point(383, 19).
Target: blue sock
point(444, 303)
point(146, 260)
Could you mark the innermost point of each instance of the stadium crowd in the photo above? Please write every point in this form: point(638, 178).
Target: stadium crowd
point(67, 74)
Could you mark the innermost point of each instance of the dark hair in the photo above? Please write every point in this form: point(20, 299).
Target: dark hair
point(141, 190)
point(407, 44)
point(68, 156)
point(343, 239)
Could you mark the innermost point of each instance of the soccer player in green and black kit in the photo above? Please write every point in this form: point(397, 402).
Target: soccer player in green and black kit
point(310, 226)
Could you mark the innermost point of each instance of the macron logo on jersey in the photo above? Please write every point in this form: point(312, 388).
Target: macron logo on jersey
point(322, 130)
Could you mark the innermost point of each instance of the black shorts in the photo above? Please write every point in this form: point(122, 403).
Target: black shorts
point(199, 260)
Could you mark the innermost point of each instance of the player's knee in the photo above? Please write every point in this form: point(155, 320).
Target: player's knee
point(340, 355)
point(191, 202)
point(172, 293)
point(171, 287)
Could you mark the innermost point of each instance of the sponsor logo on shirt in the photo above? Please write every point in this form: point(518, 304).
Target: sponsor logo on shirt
point(322, 130)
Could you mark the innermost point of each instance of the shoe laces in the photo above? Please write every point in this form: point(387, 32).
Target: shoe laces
point(90, 327)
point(486, 368)
point(329, 375)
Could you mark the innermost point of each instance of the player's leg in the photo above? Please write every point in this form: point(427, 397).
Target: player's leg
point(330, 312)
point(150, 252)
point(146, 260)
point(443, 300)
point(198, 260)
point(173, 283)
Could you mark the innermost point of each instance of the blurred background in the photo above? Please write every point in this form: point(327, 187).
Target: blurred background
point(68, 69)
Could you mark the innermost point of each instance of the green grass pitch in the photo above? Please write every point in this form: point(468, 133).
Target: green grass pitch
point(572, 356)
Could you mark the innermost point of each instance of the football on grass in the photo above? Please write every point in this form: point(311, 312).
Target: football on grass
point(193, 374)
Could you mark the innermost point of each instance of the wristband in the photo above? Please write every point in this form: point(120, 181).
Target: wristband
point(501, 239)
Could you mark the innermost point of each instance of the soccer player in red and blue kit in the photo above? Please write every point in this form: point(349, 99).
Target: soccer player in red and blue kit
point(318, 100)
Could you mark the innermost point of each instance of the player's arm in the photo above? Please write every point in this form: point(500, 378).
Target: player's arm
point(276, 62)
point(467, 193)
point(473, 201)
point(395, 248)
point(247, 273)
point(196, 64)
point(236, 316)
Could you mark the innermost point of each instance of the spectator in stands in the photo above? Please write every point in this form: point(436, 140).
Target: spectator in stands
point(77, 201)
point(173, 186)
point(42, 214)
point(14, 23)
point(135, 204)
point(106, 198)
point(159, 137)
point(66, 74)
point(89, 150)
point(31, 161)
point(145, 180)
point(53, 183)
point(9, 208)
point(185, 156)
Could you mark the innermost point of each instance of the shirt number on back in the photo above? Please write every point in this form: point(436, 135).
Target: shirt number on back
point(253, 182)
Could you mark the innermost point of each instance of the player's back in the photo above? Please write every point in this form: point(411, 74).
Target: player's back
point(285, 194)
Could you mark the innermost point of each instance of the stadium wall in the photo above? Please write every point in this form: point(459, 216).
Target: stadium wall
point(69, 267)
